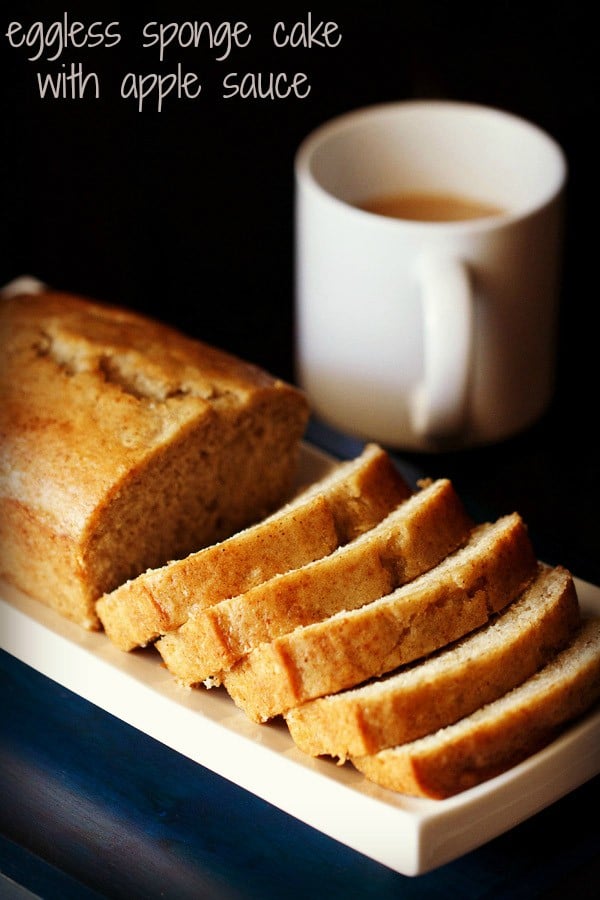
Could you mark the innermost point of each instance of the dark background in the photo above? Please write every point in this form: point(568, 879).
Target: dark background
point(187, 213)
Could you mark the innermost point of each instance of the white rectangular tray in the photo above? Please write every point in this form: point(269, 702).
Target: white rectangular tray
point(409, 835)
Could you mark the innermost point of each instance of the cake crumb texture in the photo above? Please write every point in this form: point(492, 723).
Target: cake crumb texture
point(124, 443)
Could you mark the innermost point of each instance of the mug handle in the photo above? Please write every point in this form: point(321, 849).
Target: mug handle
point(439, 402)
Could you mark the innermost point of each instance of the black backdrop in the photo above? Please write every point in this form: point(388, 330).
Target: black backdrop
point(187, 213)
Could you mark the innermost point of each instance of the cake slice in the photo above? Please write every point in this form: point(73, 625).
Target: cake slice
point(450, 684)
point(499, 735)
point(449, 601)
point(413, 538)
point(346, 501)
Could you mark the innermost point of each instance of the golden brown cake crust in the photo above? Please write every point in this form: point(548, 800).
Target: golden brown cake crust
point(497, 736)
point(124, 443)
point(345, 502)
point(127, 447)
point(159, 600)
point(413, 538)
point(437, 608)
point(451, 684)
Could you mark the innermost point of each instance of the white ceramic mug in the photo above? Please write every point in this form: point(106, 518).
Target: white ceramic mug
point(428, 335)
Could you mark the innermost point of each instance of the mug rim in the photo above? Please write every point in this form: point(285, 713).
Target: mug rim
point(333, 126)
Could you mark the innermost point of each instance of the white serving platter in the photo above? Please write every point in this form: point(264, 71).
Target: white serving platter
point(409, 835)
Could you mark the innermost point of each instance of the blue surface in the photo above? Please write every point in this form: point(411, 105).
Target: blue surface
point(90, 806)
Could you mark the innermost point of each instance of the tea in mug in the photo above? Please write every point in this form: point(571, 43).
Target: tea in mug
point(431, 207)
